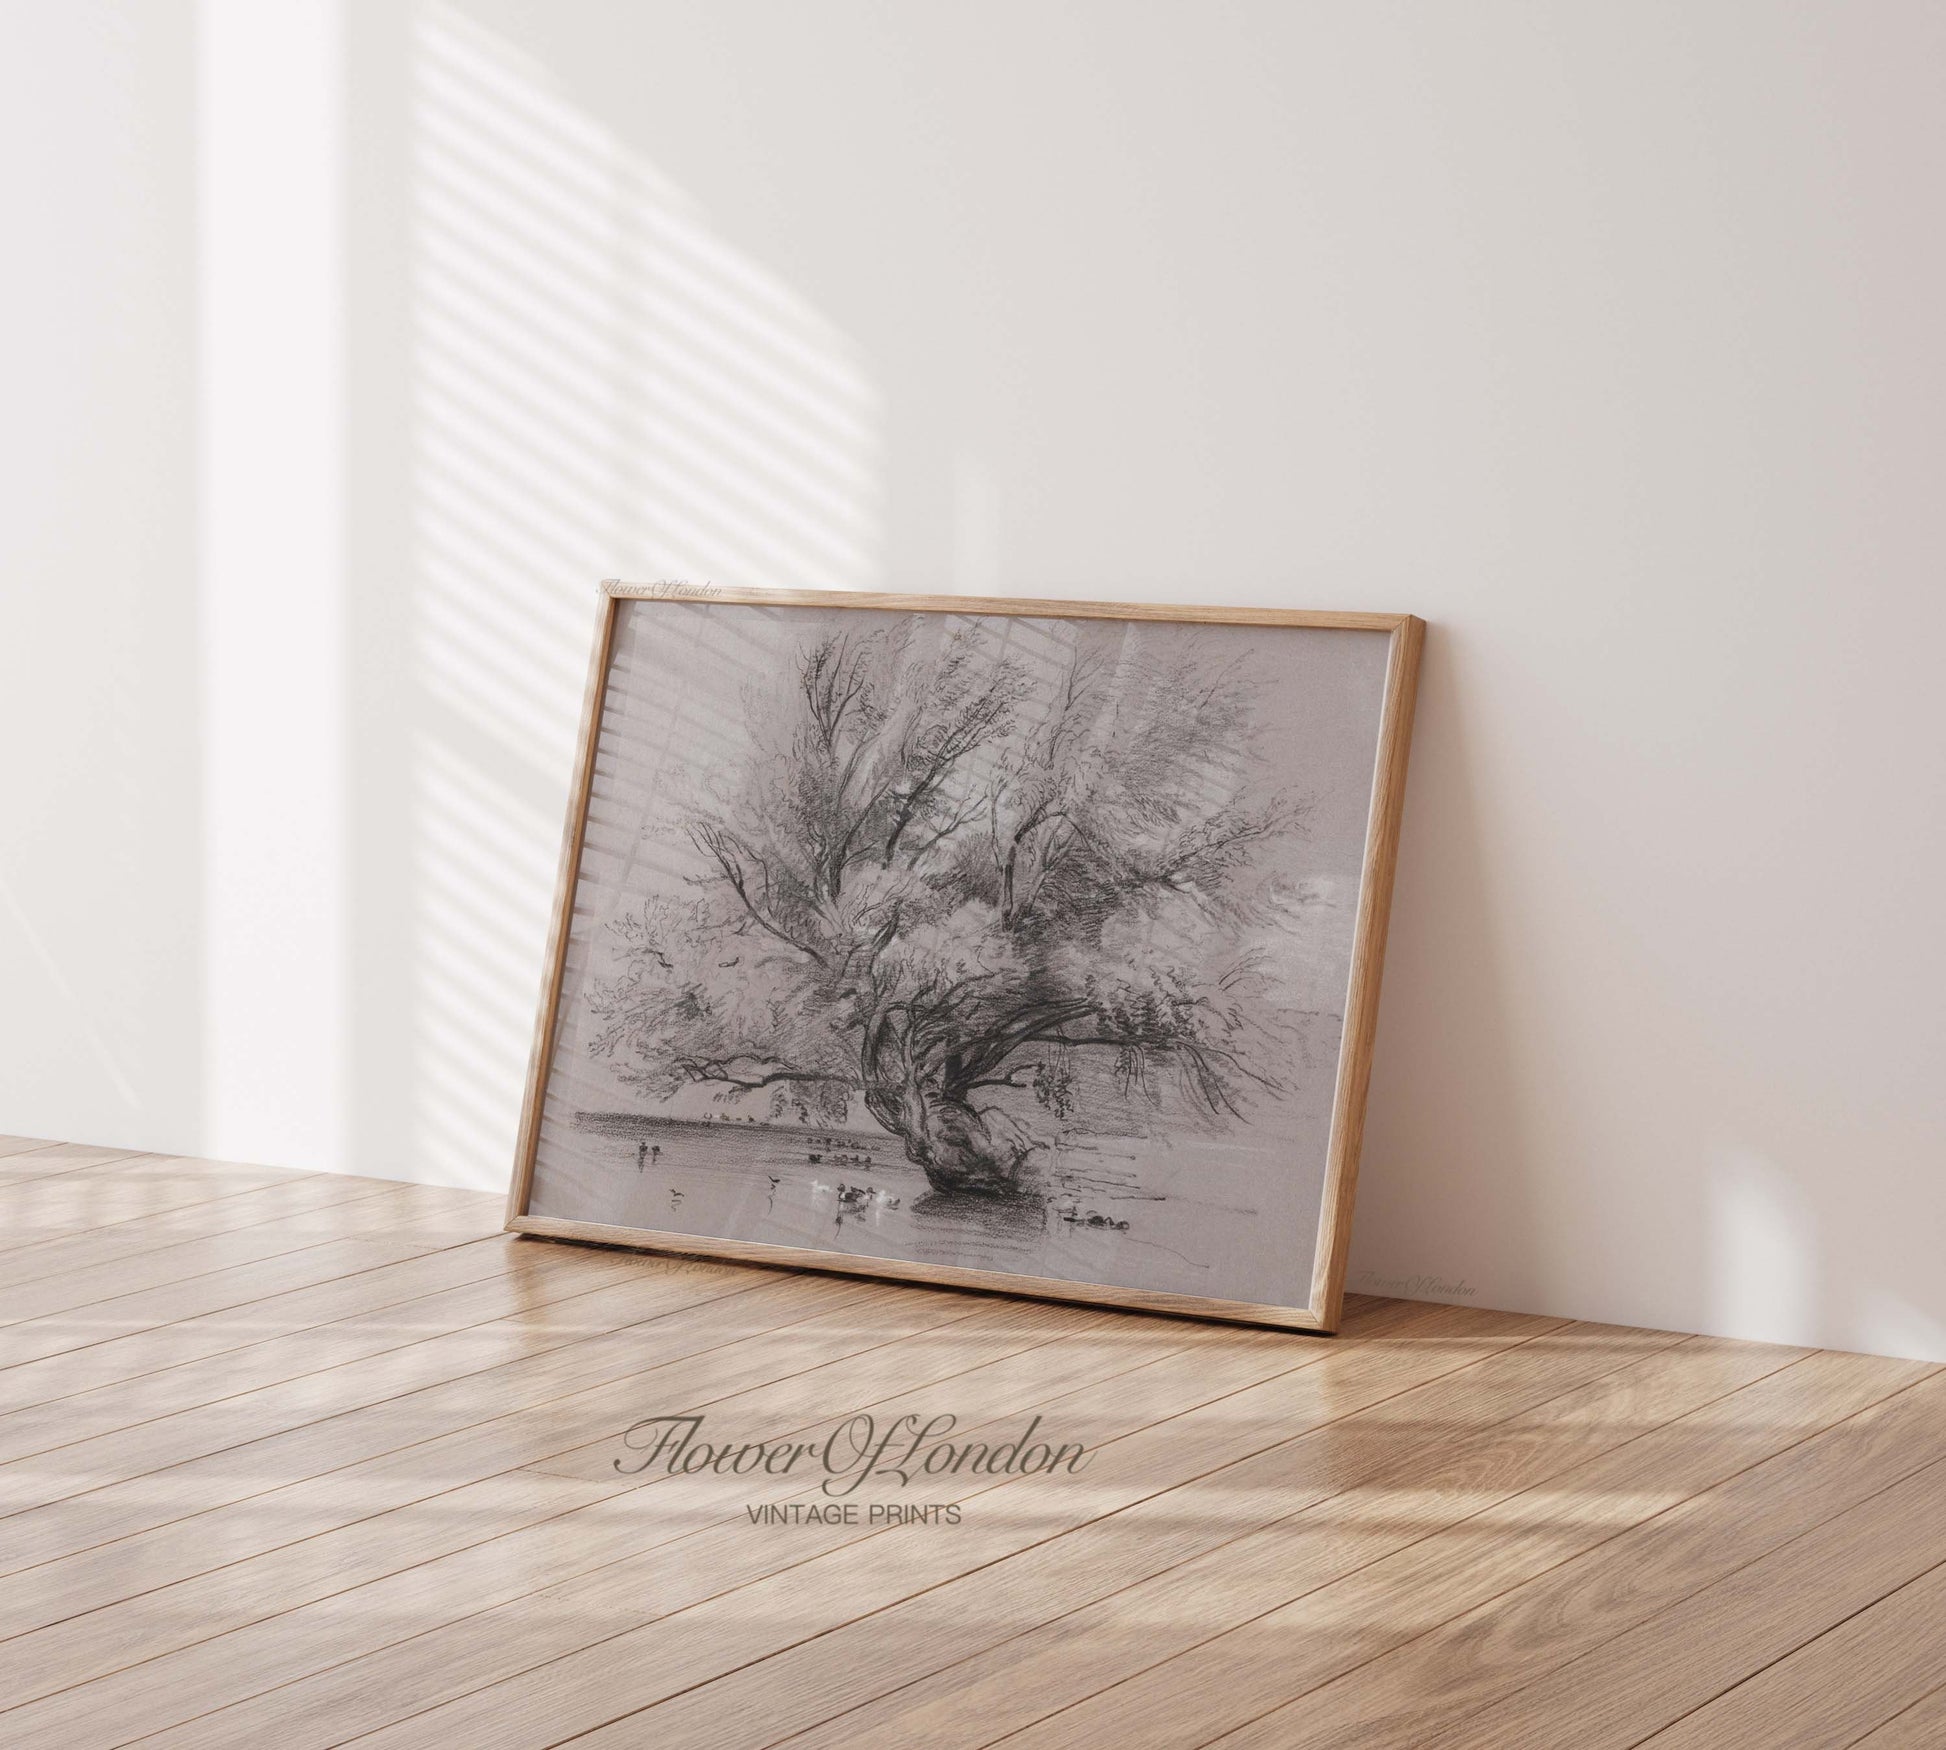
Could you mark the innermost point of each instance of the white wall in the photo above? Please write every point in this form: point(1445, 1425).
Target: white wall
point(1605, 336)
point(100, 668)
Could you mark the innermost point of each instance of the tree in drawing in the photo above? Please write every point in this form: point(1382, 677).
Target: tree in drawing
point(934, 876)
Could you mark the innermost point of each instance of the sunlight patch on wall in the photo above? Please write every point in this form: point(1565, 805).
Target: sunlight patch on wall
point(1762, 1268)
point(602, 385)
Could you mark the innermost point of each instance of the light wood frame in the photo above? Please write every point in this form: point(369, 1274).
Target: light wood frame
point(1322, 1313)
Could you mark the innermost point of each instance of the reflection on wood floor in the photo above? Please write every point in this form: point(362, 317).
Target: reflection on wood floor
point(305, 1460)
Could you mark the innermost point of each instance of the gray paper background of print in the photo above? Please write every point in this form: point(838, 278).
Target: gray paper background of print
point(1135, 846)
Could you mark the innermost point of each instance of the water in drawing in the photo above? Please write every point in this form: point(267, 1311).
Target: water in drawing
point(1019, 944)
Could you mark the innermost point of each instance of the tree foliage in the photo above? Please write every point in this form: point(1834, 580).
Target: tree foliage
point(936, 875)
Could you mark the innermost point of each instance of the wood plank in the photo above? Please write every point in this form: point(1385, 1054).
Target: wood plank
point(532, 1279)
point(1247, 1672)
point(824, 1675)
point(447, 1663)
point(1862, 1673)
point(1721, 1634)
point(635, 1325)
point(1921, 1727)
point(283, 1408)
point(402, 1211)
point(275, 1200)
point(364, 1490)
point(319, 1673)
point(407, 1225)
point(1409, 1493)
point(1405, 1697)
point(1158, 1428)
point(47, 1209)
point(20, 1145)
point(322, 1261)
point(1128, 1366)
point(233, 1328)
point(225, 1590)
point(48, 1159)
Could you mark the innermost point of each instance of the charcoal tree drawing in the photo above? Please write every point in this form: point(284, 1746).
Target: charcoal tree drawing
point(1043, 925)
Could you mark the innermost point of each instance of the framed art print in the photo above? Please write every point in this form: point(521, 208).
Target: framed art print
point(1030, 946)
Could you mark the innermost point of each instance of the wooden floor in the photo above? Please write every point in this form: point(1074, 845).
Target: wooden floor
point(300, 1460)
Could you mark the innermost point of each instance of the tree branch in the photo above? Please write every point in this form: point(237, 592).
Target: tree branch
point(722, 846)
point(721, 1070)
point(1007, 1080)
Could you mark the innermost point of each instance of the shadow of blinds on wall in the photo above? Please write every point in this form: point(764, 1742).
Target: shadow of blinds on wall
point(601, 385)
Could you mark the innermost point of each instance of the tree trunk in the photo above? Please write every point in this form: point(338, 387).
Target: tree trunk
point(951, 1142)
